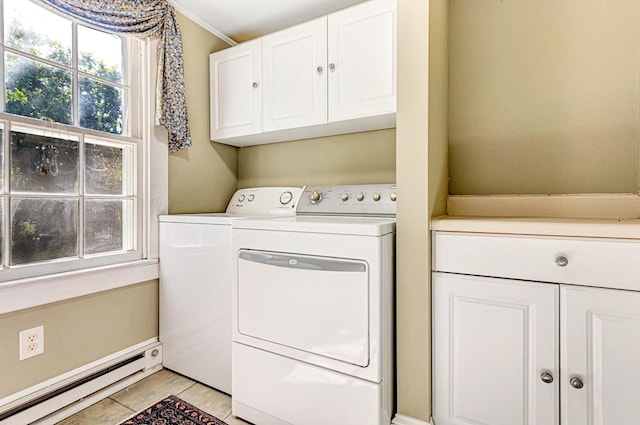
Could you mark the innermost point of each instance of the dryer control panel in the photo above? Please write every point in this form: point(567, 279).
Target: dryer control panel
point(369, 199)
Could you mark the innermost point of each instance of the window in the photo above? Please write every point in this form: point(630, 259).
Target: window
point(70, 158)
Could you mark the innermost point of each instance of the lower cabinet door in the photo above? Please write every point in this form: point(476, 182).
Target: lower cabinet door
point(495, 345)
point(600, 356)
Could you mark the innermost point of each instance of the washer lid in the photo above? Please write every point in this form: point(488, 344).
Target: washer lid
point(364, 226)
point(202, 218)
point(250, 202)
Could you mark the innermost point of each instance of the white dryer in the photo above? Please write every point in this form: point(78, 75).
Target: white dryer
point(313, 314)
point(196, 280)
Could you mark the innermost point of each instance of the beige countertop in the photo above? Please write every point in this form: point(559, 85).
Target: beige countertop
point(573, 227)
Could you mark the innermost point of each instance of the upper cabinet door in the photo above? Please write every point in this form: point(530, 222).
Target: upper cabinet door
point(236, 90)
point(295, 76)
point(600, 362)
point(362, 60)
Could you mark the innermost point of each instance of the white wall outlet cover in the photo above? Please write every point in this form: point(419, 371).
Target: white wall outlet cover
point(31, 342)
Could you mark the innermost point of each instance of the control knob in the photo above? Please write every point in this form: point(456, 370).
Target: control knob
point(360, 196)
point(315, 197)
point(251, 197)
point(241, 198)
point(286, 197)
point(344, 197)
point(393, 197)
point(376, 197)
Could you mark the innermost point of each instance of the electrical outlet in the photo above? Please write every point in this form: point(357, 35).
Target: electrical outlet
point(31, 342)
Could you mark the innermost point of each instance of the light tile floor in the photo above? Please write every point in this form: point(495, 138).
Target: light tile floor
point(124, 404)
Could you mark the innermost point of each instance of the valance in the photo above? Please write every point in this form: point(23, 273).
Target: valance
point(145, 18)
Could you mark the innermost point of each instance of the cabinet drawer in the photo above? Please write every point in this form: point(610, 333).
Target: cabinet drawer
point(610, 263)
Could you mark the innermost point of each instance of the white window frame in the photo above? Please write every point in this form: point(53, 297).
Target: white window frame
point(81, 261)
point(55, 282)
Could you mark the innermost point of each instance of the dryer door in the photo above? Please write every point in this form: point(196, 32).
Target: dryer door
point(319, 305)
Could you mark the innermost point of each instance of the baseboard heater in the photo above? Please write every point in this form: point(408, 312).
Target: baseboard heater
point(61, 397)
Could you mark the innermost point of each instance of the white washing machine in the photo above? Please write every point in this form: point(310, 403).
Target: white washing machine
point(313, 315)
point(196, 279)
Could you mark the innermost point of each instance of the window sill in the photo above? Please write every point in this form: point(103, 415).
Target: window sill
point(26, 293)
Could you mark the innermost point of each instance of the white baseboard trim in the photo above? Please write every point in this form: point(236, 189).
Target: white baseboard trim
point(408, 420)
point(94, 398)
point(73, 396)
point(60, 380)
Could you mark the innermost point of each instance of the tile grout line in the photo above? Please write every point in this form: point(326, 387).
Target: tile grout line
point(123, 405)
point(185, 389)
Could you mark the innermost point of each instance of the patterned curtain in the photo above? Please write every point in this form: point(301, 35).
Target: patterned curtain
point(145, 18)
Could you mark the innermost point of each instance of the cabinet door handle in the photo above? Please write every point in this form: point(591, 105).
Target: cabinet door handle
point(254, 85)
point(576, 382)
point(562, 261)
point(546, 377)
point(319, 69)
point(332, 67)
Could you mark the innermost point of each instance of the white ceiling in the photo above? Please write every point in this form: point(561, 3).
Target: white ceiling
point(236, 21)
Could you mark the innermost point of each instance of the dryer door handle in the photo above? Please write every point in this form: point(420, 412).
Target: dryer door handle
point(324, 264)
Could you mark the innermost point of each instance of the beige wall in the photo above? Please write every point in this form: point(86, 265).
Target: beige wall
point(422, 188)
point(203, 177)
point(346, 159)
point(77, 332)
point(544, 96)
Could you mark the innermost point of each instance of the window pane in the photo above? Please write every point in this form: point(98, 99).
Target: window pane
point(100, 106)
point(103, 169)
point(37, 90)
point(43, 229)
point(43, 164)
point(100, 54)
point(37, 31)
point(106, 221)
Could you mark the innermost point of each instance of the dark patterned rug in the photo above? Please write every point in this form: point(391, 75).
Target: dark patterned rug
point(173, 411)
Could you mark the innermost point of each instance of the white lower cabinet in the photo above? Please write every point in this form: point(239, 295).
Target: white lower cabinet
point(511, 352)
point(493, 339)
point(600, 349)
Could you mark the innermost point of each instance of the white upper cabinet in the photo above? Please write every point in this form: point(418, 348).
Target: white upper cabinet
point(333, 75)
point(294, 69)
point(362, 61)
point(236, 90)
